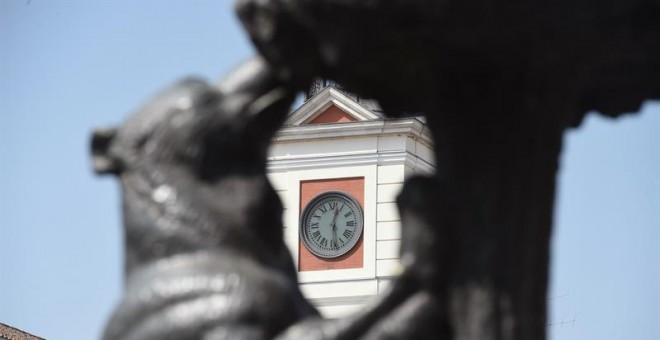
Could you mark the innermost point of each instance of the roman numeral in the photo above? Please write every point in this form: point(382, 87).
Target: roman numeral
point(348, 214)
point(333, 245)
point(317, 216)
point(348, 234)
point(324, 242)
point(316, 235)
point(314, 225)
point(323, 208)
point(350, 223)
point(333, 205)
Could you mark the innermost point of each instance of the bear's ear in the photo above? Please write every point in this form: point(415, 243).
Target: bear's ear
point(102, 161)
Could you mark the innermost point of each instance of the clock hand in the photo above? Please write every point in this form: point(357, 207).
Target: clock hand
point(334, 219)
point(335, 238)
point(334, 228)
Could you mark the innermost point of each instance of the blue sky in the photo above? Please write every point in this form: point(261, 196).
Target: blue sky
point(69, 66)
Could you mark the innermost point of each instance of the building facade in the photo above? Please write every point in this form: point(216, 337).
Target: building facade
point(338, 165)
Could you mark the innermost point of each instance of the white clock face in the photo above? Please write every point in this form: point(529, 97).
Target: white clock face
point(331, 224)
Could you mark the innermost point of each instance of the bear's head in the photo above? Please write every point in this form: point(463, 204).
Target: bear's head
point(212, 130)
point(192, 168)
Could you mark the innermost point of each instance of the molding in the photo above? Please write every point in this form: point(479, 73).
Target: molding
point(324, 99)
point(419, 165)
point(340, 300)
point(288, 163)
point(411, 127)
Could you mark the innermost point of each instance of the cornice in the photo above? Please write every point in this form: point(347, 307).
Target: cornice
point(340, 300)
point(411, 127)
point(287, 163)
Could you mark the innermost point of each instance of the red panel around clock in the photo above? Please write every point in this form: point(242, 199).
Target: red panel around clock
point(355, 257)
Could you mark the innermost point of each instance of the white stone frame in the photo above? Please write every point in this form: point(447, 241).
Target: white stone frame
point(292, 219)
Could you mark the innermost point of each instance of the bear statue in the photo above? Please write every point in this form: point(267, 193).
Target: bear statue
point(205, 256)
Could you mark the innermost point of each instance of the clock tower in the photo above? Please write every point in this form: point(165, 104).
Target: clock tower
point(338, 166)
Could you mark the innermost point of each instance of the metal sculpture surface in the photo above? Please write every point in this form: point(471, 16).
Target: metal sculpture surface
point(499, 82)
point(205, 255)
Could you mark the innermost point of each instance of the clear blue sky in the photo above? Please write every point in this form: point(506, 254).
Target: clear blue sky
point(69, 66)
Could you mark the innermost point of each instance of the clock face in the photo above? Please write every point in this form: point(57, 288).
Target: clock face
point(331, 224)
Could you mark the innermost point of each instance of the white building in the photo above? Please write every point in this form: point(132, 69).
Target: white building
point(337, 143)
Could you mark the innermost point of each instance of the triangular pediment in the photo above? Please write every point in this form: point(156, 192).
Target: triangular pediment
point(332, 114)
point(330, 106)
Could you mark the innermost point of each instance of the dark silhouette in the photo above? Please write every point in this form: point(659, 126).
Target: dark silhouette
point(499, 82)
point(205, 255)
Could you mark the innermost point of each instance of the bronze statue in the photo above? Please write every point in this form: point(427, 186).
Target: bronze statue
point(205, 255)
point(499, 82)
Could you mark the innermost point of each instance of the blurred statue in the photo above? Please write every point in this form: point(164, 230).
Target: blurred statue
point(499, 82)
point(204, 251)
point(205, 256)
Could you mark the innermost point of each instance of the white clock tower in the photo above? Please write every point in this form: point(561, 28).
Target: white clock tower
point(338, 143)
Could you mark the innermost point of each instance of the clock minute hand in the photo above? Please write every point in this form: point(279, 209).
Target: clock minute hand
point(334, 218)
point(334, 228)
